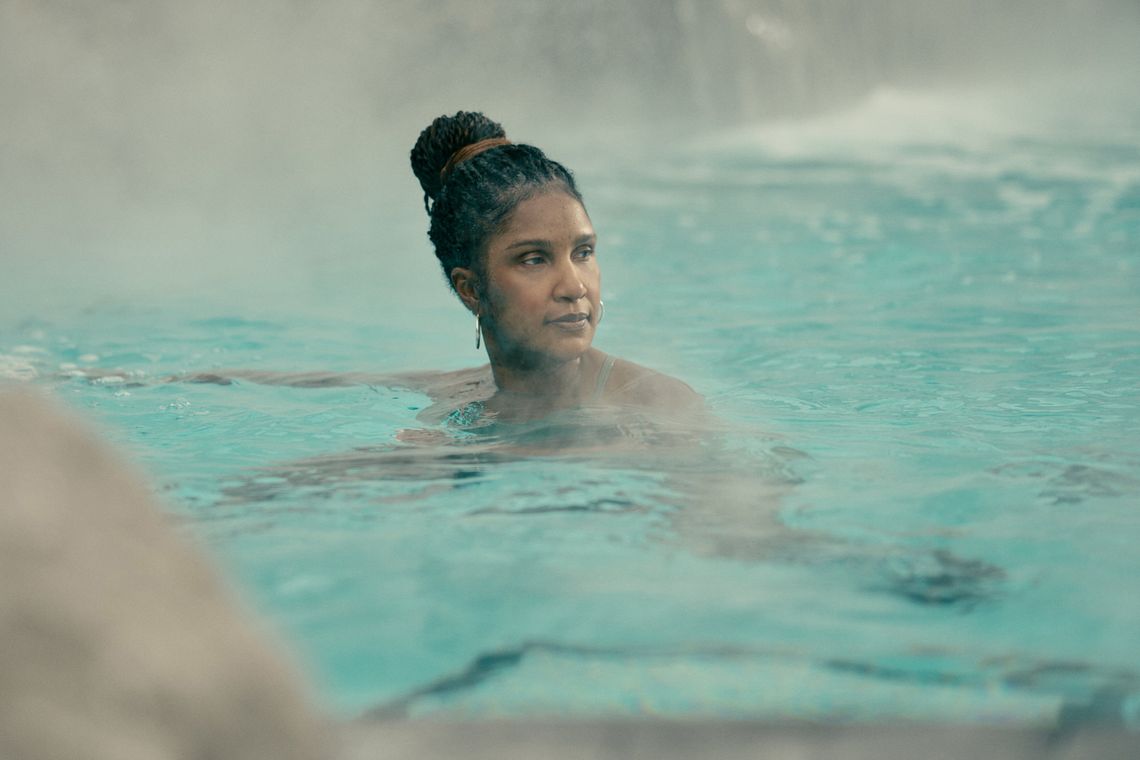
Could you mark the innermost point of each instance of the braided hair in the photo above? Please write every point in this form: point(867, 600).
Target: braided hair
point(469, 199)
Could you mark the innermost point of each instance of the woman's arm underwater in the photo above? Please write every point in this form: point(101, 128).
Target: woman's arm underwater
point(312, 379)
point(459, 386)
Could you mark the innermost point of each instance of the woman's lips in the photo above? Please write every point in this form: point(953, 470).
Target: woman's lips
point(571, 322)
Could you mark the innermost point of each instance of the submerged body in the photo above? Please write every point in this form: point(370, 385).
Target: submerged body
point(605, 382)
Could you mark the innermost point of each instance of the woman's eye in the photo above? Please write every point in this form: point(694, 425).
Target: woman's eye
point(532, 260)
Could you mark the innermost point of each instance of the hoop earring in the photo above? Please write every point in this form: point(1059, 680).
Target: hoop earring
point(478, 332)
point(601, 311)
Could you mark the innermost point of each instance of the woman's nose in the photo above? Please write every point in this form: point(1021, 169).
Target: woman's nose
point(570, 286)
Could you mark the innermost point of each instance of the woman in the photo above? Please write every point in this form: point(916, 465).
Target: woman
point(516, 244)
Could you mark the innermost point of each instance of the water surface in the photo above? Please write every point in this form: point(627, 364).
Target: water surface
point(920, 340)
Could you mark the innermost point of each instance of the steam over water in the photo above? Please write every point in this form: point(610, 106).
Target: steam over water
point(192, 148)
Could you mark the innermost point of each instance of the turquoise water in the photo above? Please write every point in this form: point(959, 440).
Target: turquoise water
point(922, 339)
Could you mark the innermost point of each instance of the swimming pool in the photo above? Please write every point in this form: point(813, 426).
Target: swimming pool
point(920, 330)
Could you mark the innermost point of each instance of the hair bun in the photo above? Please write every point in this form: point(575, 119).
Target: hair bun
point(439, 141)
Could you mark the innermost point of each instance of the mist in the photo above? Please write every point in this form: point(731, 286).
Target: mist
point(152, 148)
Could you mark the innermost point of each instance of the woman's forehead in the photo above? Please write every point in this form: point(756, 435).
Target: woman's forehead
point(551, 215)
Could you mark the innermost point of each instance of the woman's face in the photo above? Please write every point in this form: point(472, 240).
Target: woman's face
point(540, 299)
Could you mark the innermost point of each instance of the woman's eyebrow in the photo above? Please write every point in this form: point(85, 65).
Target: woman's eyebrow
point(589, 237)
point(529, 244)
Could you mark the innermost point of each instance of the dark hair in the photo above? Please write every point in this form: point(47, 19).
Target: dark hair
point(474, 197)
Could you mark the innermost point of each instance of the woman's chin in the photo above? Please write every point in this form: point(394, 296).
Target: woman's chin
point(573, 346)
point(555, 347)
point(565, 350)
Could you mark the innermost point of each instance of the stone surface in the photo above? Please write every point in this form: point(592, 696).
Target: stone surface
point(117, 639)
point(721, 740)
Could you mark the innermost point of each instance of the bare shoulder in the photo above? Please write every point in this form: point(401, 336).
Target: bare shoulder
point(636, 385)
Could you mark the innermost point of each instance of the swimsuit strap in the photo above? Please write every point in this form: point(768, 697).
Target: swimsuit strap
point(603, 376)
point(466, 415)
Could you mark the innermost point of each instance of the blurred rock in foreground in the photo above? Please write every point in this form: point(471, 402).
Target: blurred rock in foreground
point(117, 640)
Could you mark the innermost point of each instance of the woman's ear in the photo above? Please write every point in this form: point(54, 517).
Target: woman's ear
point(466, 284)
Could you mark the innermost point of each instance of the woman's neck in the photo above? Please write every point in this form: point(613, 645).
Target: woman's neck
point(542, 388)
